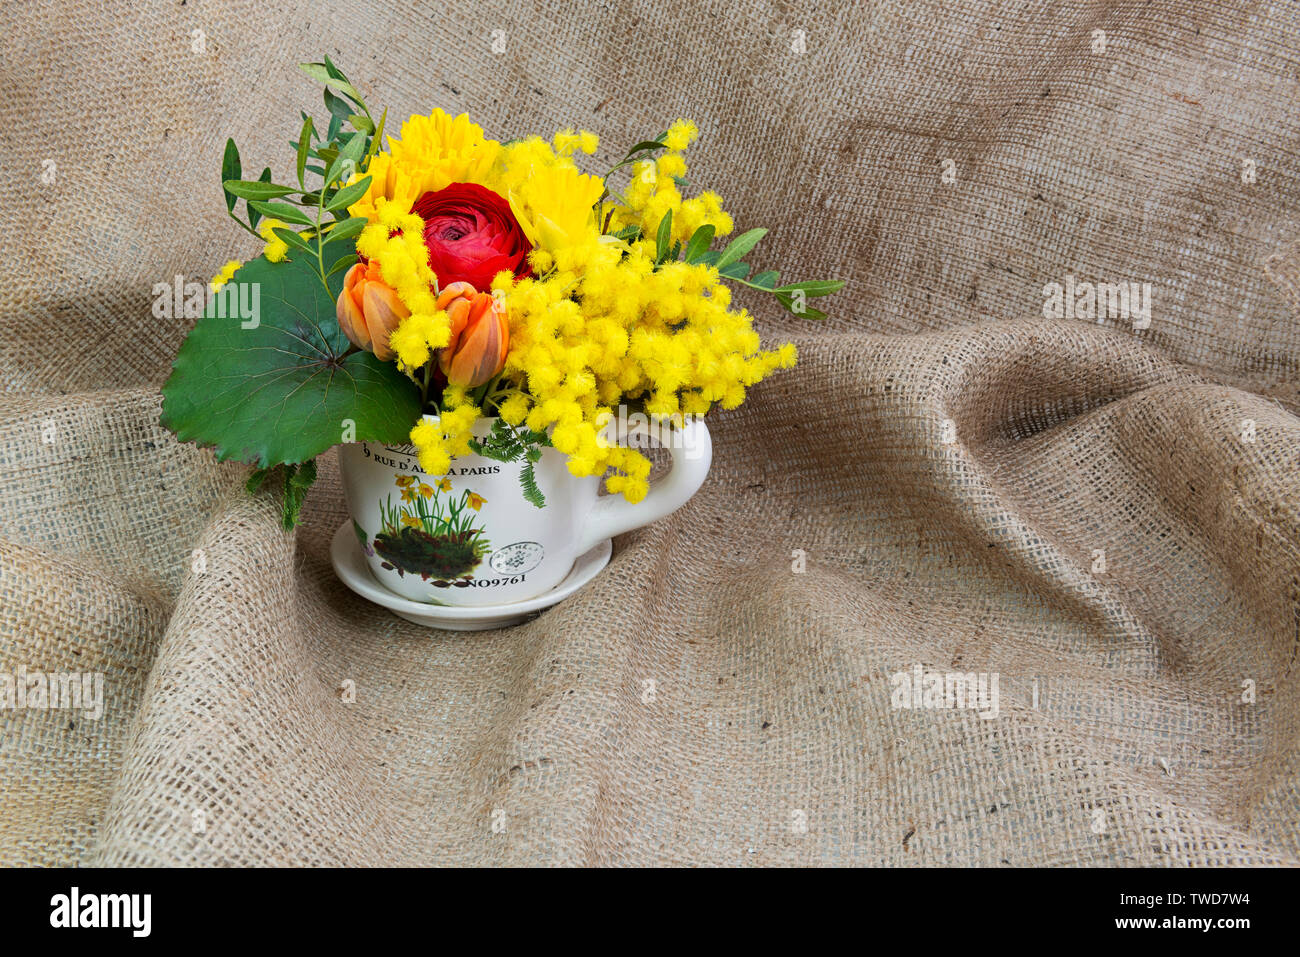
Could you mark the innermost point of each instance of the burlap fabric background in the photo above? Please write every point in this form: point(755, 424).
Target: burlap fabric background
point(770, 706)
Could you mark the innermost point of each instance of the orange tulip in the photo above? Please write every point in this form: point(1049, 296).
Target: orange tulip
point(369, 309)
point(480, 336)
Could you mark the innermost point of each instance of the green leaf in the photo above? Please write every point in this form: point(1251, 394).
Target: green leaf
point(256, 480)
point(290, 214)
point(815, 287)
point(361, 123)
point(766, 280)
point(628, 233)
point(664, 237)
point(314, 134)
point(349, 194)
point(337, 105)
point(711, 257)
point(256, 189)
point(528, 485)
point(230, 170)
point(282, 392)
point(699, 242)
point(645, 145)
point(739, 246)
point(351, 152)
point(297, 480)
point(346, 228)
point(293, 239)
point(333, 70)
point(321, 73)
point(379, 135)
point(304, 144)
point(254, 217)
point(735, 271)
point(804, 311)
point(347, 262)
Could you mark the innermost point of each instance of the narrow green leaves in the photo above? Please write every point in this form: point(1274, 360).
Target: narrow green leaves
point(293, 239)
point(346, 229)
point(664, 238)
point(347, 262)
point(348, 157)
point(230, 170)
point(699, 243)
point(282, 211)
point(304, 147)
point(322, 74)
point(739, 247)
point(256, 189)
point(814, 287)
point(349, 194)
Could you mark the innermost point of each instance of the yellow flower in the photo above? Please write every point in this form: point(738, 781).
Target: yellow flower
point(275, 246)
point(405, 481)
point(431, 153)
point(476, 501)
point(426, 491)
point(223, 277)
point(445, 485)
point(680, 135)
point(554, 207)
point(408, 495)
point(410, 521)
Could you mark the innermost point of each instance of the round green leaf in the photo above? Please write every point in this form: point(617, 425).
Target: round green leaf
point(269, 386)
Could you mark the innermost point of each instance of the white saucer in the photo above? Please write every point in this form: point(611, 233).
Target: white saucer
point(350, 565)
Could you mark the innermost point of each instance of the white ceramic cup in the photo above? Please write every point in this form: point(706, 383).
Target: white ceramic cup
point(471, 538)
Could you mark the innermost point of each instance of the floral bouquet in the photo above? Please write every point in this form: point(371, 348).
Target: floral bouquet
point(405, 293)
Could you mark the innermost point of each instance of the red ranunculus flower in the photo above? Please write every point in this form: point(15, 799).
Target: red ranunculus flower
point(472, 235)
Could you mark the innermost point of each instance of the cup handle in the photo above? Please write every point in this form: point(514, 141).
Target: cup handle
point(691, 457)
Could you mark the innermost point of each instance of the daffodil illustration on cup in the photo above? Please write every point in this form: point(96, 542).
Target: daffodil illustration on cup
point(430, 532)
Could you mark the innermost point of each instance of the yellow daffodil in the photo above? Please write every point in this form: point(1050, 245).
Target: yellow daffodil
point(410, 521)
point(426, 491)
point(476, 501)
point(554, 207)
point(445, 485)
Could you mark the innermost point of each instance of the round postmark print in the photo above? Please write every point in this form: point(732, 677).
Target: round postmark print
point(517, 559)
